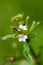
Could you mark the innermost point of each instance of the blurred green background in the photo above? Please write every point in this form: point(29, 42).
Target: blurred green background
point(10, 8)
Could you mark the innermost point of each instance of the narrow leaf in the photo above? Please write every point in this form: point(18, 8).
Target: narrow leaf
point(8, 36)
point(33, 26)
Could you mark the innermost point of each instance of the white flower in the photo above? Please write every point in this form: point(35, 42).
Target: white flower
point(23, 27)
point(22, 37)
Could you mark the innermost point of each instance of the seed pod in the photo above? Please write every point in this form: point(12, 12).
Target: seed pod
point(27, 18)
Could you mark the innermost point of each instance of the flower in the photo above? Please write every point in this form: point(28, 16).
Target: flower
point(23, 27)
point(22, 37)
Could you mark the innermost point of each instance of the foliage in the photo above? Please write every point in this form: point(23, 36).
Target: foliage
point(22, 34)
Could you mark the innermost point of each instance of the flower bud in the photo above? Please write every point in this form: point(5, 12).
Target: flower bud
point(17, 17)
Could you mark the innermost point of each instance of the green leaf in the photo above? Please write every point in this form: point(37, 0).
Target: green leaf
point(26, 50)
point(8, 36)
point(27, 54)
point(33, 26)
point(41, 56)
point(20, 62)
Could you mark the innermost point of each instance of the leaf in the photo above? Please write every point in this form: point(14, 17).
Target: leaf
point(20, 62)
point(33, 26)
point(26, 50)
point(41, 56)
point(27, 54)
point(8, 36)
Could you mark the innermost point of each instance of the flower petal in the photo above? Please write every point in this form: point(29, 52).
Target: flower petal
point(24, 28)
point(24, 40)
point(21, 26)
point(25, 37)
point(20, 39)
